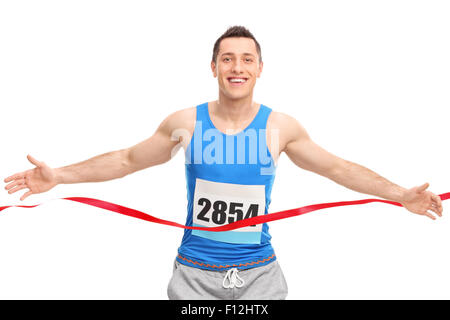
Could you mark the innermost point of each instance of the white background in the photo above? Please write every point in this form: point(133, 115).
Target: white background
point(369, 80)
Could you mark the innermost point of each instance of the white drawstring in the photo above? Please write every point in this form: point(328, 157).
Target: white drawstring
point(233, 279)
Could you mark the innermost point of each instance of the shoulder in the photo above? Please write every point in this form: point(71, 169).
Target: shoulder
point(180, 119)
point(287, 124)
point(281, 119)
point(182, 116)
point(179, 125)
point(287, 127)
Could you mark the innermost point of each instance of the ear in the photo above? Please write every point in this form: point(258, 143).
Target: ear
point(260, 69)
point(213, 68)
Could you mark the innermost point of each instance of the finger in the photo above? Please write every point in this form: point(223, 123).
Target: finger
point(15, 176)
point(34, 161)
point(436, 210)
point(22, 186)
point(15, 183)
point(26, 195)
point(429, 215)
point(423, 187)
point(438, 207)
point(439, 203)
point(436, 202)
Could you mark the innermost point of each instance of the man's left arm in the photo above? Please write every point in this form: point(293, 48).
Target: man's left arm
point(308, 155)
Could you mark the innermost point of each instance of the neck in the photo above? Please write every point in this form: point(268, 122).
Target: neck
point(234, 110)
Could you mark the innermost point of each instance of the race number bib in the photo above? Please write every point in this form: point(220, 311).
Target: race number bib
point(217, 204)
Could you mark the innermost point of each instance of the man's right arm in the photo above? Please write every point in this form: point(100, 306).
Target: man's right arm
point(174, 131)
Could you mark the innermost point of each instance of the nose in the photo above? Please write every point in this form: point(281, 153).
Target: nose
point(236, 66)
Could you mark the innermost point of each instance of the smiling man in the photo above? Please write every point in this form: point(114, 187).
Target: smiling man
point(232, 146)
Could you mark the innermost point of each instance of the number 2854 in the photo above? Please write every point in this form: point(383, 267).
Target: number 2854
point(222, 212)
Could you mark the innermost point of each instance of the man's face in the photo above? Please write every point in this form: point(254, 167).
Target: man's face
point(237, 59)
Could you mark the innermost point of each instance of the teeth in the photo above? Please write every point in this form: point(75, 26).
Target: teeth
point(237, 80)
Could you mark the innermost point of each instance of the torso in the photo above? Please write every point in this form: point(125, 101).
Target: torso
point(274, 134)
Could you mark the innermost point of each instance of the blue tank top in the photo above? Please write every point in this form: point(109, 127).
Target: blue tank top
point(229, 177)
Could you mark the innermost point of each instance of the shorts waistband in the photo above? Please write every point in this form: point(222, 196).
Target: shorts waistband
point(208, 266)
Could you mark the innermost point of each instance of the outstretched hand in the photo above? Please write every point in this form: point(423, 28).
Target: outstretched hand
point(419, 201)
point(40, 179)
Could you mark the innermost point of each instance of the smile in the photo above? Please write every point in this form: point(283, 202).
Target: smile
point(237, 81)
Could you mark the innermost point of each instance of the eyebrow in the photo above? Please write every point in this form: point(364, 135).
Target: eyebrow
point(232, 54)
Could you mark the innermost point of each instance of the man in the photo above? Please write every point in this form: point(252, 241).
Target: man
point(232, 146)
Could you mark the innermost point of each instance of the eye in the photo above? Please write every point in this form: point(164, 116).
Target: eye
point(226, 59)
point(249, 60)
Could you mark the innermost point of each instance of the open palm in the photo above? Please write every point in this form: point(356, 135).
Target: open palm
point(419, 201)
point(40, 179)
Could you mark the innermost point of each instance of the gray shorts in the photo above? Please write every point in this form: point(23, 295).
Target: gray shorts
point(259, 283)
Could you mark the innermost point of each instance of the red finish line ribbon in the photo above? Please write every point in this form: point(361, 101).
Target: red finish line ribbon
point(231, 226)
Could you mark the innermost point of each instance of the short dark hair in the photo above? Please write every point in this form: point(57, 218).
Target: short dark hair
point(235, 32)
